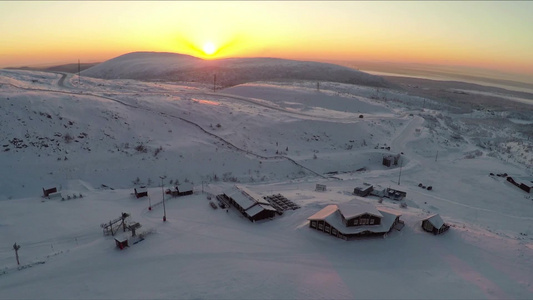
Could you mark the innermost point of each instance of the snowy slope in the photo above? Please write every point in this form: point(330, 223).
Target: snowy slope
point(273, 138)
point(229, 72)
point(142, 65)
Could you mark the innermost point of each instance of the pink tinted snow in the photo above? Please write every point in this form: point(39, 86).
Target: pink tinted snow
point(461, 268)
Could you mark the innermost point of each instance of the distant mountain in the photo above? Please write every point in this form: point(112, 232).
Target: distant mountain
point(68, 68)
point(229, 72)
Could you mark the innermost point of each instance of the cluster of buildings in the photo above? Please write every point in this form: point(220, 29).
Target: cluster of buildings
point(358, 218)
point(368, 189)
point(182, 189)
point(345, 221)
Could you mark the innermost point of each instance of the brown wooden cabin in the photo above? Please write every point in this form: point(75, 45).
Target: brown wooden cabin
point(251, 205)
point(121, 242)
point(363, 191)
point(355, 219)
point(47, 192)
point(434, 224)
point(141, 192)
point(391, 160)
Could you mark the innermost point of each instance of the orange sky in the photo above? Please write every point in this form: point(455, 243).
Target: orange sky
point(491, 35)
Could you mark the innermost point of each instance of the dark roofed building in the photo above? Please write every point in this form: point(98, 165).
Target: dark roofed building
point(49, 191)
point(250, 204)
point(523, 183)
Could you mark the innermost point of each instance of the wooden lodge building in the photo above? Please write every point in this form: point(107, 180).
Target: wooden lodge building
point(141, 192)
point(363, 190)
point(354, 219)
point(523, 183)
point(434, 224)
point(250, 204)
point(47, 192)
point(182, 189)
point(391, 160)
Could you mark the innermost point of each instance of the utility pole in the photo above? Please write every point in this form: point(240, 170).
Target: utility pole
point(214, 82)
point(400, 176)
point(436, 156)
point(79, 71)
point(149, 203)
point(318, 86)
point(16, 248)
point(163, 193)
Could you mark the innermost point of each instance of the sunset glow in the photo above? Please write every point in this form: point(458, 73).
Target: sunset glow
point(490, 35)
point(209, 48)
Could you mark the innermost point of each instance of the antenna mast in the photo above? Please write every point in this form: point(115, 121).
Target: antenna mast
point(400, 176)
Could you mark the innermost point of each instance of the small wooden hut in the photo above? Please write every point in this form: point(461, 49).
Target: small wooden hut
point(434, 224)
point(141, 192)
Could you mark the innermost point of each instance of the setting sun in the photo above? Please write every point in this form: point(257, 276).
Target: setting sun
point(209, 48)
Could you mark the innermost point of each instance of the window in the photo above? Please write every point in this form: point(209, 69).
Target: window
point(321, 226)
point(356, 222)
point(313, 224)
point(371, 221)
point(364, 221)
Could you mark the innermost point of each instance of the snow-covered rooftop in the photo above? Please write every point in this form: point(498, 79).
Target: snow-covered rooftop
point(185, 186)
point(141, 189)
point(356, 208)
point(332, 214)
point(386, 223)
point(324, 213)
point(244, 201)
point(257, 208)
point(253, 195)
point(435, 220)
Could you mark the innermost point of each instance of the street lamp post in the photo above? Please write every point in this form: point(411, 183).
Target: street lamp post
point(163, 193)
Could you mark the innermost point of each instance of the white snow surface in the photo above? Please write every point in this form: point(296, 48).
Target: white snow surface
point(102, 138)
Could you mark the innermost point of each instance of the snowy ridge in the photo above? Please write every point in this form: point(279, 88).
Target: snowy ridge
point(229, 72)
point(141, 65)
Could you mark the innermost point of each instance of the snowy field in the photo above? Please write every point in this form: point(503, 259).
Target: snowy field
point(101, 138)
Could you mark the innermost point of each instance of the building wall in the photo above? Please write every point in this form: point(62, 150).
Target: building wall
point(265, 214)
point(326, 228)
point(426, 225)
point(363, 220)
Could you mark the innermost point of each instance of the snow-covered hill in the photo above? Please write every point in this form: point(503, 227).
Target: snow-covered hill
point(102, 138)
point(229, 72)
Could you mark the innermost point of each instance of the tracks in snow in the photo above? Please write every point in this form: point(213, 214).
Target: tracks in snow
point(226, 142)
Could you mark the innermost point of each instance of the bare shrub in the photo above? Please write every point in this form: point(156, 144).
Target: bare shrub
point(141, 148)
point(158, 150)
point(68, 138)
